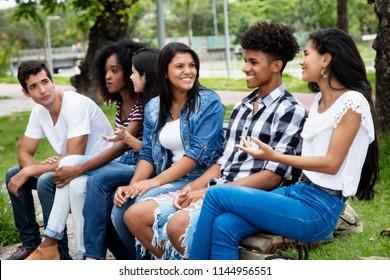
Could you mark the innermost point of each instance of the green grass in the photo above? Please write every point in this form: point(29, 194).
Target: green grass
point(292, 84)
point(14, 80)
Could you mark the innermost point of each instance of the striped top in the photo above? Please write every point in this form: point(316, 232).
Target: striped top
point(136, 114)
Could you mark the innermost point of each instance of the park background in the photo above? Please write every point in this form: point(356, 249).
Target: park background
point(47, 29)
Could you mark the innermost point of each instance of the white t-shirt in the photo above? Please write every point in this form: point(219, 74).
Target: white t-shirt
point(318, 130)
point(170, 139)
point(79, 115)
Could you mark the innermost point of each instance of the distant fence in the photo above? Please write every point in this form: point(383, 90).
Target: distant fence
point(63, 57)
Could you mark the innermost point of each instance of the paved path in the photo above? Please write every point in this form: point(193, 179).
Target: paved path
point(17, 102)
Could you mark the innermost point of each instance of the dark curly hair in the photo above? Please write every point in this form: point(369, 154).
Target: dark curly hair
point(274, 39)
point(124, 50)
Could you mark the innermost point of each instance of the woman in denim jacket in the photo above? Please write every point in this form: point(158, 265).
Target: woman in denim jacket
point(183, 136)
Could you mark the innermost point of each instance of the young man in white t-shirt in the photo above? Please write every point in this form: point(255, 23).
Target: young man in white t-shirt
point(73, 125)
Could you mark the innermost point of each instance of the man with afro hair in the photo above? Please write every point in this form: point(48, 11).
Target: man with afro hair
point(270, 113)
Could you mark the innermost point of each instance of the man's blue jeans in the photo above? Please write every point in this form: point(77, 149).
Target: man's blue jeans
point(24, 209)
point(301, 211)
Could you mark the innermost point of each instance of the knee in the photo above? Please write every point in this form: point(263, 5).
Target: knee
point(117, 216)
point(71, 160)
point(177, 224)
point(98, 183)
point(77, 189)
point(134, 216)
point(45, 183)
point(11, 173)
point(223, 226)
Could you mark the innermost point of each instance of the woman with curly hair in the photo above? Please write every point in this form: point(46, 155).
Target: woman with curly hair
point(76, 177)
point(339, 159)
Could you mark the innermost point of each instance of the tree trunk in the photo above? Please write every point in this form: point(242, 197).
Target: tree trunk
point(111, 25)
point(342, 15)
point(382, 63)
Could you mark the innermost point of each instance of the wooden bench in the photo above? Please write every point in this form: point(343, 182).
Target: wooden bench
point(266, 246)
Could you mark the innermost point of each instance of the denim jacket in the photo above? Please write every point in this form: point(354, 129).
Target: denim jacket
point(201, 134)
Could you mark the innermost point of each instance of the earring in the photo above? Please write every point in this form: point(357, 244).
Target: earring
point(324, 73)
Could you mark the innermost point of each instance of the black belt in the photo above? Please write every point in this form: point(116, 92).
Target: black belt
point(304, 179)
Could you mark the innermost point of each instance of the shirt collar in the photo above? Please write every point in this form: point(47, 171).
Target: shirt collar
point(268, 99)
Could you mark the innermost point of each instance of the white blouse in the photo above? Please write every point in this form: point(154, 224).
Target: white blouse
point(170, 139)
point(317, 133)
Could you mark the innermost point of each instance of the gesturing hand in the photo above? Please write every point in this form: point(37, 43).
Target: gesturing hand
point(118, 135)
point(264, 152)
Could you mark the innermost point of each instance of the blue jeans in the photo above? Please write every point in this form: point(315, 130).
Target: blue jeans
point(229, 214)
point(24, 209)
point(118, 212)
point(99, 233)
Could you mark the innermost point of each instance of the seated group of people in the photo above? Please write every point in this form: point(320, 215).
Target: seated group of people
point(168, 183)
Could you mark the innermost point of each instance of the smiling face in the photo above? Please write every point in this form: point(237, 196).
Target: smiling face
point(312, 63)
point(181, 73)
point(138, 80)
point(41, 89)
point(257, 68)
point(115, 80)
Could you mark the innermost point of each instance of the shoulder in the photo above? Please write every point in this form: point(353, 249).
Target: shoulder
point(205, 92)
point(353, 99)
point(152, 108)
point(77, 100)
point(208, 96)
point(291, 104)
point(155, 101)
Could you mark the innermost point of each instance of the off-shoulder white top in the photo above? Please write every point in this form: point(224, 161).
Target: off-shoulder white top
point(317, 133)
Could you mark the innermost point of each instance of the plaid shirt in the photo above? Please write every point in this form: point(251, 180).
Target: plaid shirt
point(278, 122)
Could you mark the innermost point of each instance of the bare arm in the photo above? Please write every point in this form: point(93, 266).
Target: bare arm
point(340, 142)
point(143, 171)
point(196, 189)
point(264, 180)
point(178, 170)
point(65, 174)
point(127, 135)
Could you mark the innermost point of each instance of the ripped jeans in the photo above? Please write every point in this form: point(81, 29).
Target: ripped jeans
point(118, 212)
point(162, 214)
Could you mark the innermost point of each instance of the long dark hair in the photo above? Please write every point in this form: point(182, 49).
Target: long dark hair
point(166, 55)
point(124, 50)
point(348, 68)
point(145, 61)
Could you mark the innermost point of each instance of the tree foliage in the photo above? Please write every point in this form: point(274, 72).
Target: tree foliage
point(105, 20)
point(94, 22)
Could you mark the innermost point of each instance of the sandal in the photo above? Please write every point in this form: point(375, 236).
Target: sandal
point(385, 232)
